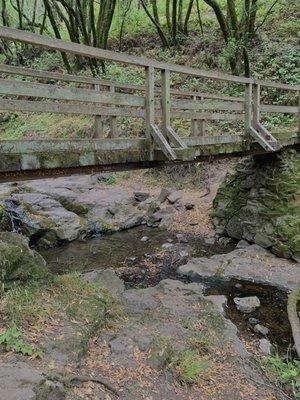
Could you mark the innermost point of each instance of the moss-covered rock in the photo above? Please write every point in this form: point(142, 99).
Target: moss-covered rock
point(17, 260)
point(260, 202)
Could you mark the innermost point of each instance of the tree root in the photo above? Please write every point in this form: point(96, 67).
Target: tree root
point(72, 378)
point(293, 299)
point(98, 379)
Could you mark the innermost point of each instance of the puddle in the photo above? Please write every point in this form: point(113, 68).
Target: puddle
point(272, 313)
point(122, 249)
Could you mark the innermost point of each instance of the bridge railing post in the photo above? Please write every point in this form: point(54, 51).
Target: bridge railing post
point(150, 106)
point(112, 120)
point(198, 126)
point(194, 123)
point(165, 100)
point(256, 105)
point(248, 107)
point(98, 124)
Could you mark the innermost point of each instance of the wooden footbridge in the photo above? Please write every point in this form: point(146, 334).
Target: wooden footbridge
point(158, 106)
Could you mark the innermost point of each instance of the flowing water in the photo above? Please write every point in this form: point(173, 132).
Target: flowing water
point(122, 249)
point(144, 263)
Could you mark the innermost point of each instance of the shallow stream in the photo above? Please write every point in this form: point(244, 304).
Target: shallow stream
point(142, 263)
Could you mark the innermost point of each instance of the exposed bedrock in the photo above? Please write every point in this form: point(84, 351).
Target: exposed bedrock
point(54, 211)
point(260, 202)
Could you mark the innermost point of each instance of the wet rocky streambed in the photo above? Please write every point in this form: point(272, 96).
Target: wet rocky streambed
point(143, 256)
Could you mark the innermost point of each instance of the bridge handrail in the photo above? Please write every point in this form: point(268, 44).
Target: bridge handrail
point(97, 53)
point(18, 35)
point(166, 106)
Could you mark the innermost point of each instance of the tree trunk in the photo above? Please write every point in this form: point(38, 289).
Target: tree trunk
point(168, 17)
point(56, 32)
point(220, 17)
point(180, 15)
point(187, 17)
point(174, 20)
point(160, 32)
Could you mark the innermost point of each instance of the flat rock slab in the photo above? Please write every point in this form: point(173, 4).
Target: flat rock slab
point(18, 381)
point(252, 263)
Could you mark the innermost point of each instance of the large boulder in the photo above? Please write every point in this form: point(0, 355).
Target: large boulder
point(54, 211)
point(260, 202)
point(17, 260)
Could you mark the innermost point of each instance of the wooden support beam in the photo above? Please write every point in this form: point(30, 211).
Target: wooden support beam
point(98, 124)
point(174, 138)
point(112, 121)
point(198, 125)
point(150, 106)
point(248, 108)
point(162, 143)
point(256, 106)
point(165, 100)
point(194, 123)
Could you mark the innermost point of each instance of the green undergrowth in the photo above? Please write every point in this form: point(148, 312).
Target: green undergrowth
point(284, 373)
point(186, 364)
point(12, 340)
point(67, 299)
point(191, 359)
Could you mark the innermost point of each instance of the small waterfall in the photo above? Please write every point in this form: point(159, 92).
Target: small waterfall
point(14, 216)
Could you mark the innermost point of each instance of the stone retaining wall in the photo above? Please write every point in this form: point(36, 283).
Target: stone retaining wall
point(260, 202)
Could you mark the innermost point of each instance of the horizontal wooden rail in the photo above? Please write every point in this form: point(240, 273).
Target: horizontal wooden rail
point(205, 105)
point(270, 108)
point(38, 74)
point(17, 35)
point(29, 89)
point(277, 85)
point(32, 106)
point(68, 108)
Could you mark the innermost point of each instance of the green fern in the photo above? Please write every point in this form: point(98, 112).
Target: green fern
point(12, 340)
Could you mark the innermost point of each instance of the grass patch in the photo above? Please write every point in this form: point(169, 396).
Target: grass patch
point(62, 299)
point(189, 366)
point(68, 295)
point(186, 364)
point(285, 374)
